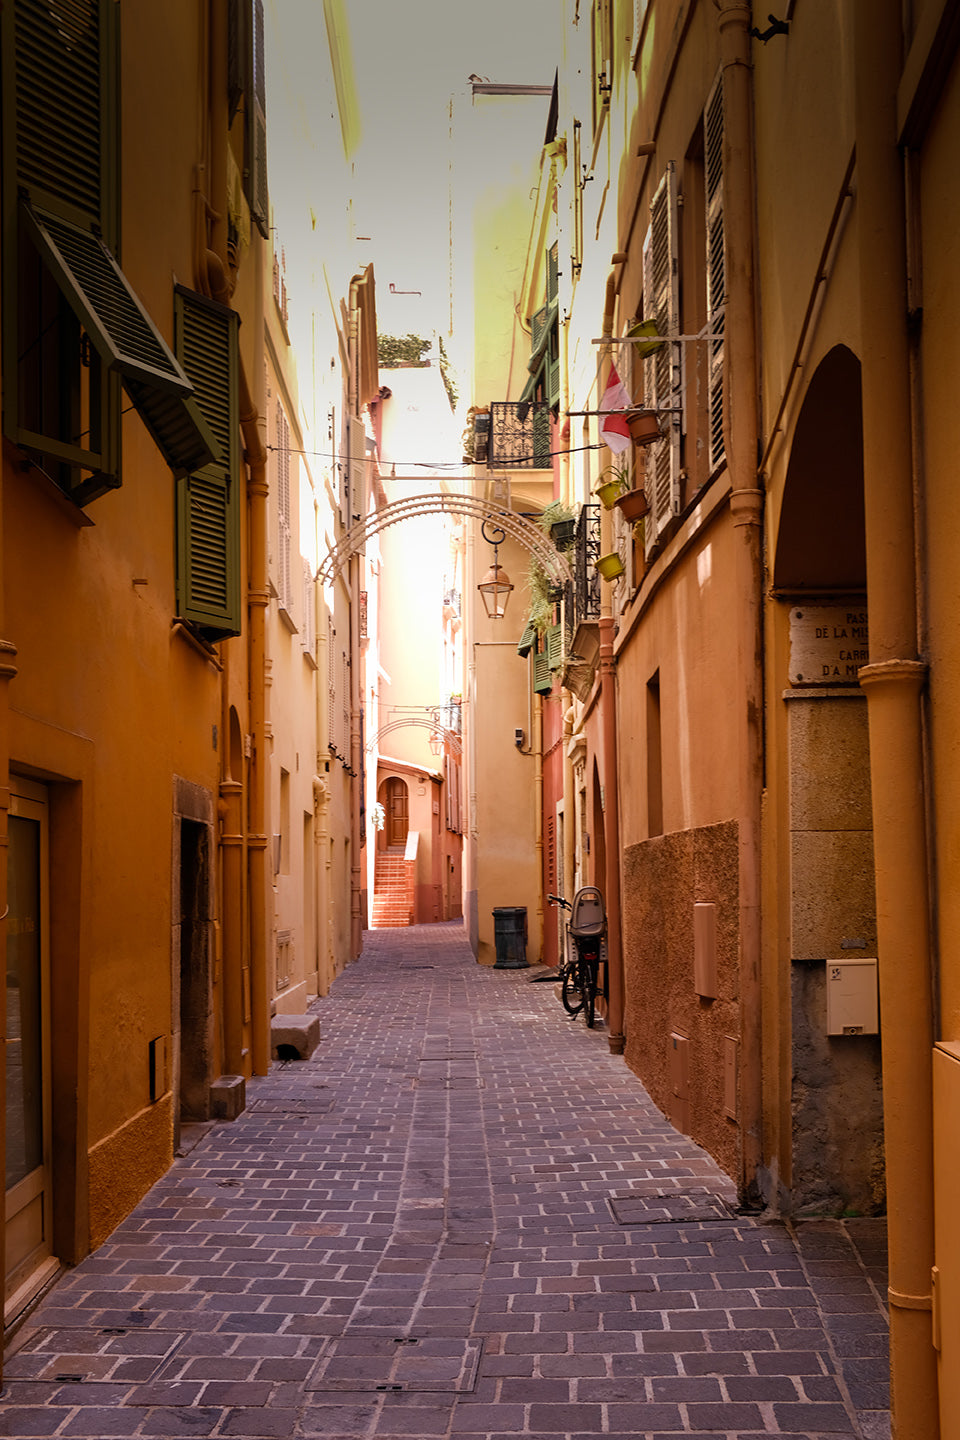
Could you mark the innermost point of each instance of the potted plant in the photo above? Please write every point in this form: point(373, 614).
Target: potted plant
point(612, 482)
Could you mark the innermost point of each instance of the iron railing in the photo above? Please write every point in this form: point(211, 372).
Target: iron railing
point(586, 577)
point(519, 435)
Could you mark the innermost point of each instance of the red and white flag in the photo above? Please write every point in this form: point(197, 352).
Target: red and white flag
point(614, 430)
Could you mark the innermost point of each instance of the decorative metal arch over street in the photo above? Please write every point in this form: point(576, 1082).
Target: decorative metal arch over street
point(435, 727)
point(516, 526)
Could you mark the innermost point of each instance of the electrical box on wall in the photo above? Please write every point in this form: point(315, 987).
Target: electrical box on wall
point(852, 1006)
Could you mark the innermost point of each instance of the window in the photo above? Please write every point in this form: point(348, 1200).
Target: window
point(73, 328)
point(208, 498)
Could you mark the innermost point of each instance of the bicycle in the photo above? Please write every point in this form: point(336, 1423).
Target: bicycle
point(581, 961)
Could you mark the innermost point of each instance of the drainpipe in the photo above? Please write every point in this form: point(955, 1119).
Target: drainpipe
point(258, 598)
point(321, 797)
point(536, 745)
point(356, 757)
point(746, 508)
point(569, 800)
point(610, 769)
point(893, 682)
point(8, 670)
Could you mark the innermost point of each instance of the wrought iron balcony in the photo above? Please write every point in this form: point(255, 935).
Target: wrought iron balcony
point(586, 577)
point(519, 435)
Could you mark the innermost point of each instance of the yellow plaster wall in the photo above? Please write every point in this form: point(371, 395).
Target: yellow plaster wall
point(125, 1164)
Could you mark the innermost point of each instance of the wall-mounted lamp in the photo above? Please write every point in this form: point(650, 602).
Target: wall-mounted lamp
point(436, 743)
point(496, 585)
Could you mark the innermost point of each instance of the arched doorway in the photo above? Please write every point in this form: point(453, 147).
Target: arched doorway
point(835, 1151)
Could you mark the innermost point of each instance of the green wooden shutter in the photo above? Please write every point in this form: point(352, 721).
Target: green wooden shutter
point(60, 114)
point(527, 639)
point(554, 638)
point(208, 499)
point(542, 679)
point(255, 133)
point(716, 276)
point(60, 206)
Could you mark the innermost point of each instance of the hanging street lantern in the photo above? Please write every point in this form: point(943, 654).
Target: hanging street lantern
point(495, 587)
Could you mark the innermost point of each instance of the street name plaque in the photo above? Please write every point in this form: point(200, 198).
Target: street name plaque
point(828, 644)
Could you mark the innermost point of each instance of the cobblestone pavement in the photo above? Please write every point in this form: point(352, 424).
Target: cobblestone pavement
point(461, 1218)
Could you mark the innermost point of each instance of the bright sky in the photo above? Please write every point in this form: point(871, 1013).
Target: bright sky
point(410, 56)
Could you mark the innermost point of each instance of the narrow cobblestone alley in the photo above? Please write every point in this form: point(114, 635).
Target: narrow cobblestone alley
point(462, 1217)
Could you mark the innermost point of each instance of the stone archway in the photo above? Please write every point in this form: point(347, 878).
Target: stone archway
point(819, 572)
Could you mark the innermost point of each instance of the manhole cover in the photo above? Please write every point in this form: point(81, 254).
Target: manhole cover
point(89, 1354)
point(668, 1207)
point(443, 1364)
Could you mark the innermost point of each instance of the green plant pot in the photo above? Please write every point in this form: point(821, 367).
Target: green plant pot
point(607, 493)
point(610, 566)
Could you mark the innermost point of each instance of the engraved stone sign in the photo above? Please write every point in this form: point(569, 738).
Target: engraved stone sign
point(828, 644)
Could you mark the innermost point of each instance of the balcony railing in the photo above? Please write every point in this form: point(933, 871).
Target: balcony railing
point(586, 578)
point(519, 435)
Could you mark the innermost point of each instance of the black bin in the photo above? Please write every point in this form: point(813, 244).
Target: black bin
point(510, 937)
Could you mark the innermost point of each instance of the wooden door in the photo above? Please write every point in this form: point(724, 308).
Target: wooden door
point(28, 1166)
point(398, 815)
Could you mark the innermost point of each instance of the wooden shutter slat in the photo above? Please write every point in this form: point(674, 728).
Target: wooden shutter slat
point(208, 515)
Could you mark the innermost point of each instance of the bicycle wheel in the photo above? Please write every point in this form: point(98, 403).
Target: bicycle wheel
point(588, 989)
point(571, 991)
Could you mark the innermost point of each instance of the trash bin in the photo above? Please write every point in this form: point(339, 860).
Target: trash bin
point(510, 937)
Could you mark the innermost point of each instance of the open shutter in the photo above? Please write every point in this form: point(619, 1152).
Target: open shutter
point(208, 499)
point(663, 369)
point(63, 363)
point(716, 281)
point(554, 642)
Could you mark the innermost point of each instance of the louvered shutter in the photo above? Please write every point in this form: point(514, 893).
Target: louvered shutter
point(663, 370)
point(554, 643)
point(208, 499)
point(542, 679)
point(60, 143)
point(256, 121)
point(716, 284)
point(284, 577)
point(308, 635)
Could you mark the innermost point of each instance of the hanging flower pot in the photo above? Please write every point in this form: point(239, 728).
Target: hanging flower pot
point(644, 427)
point(633, 505)
point(610, 566)
point(608, 490)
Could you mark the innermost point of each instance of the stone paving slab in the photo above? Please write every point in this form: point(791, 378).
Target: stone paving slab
point(460, 1217)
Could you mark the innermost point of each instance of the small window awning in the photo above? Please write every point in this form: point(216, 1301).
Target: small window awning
point(125, 337)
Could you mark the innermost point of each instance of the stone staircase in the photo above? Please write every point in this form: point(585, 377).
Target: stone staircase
point(392, 889)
